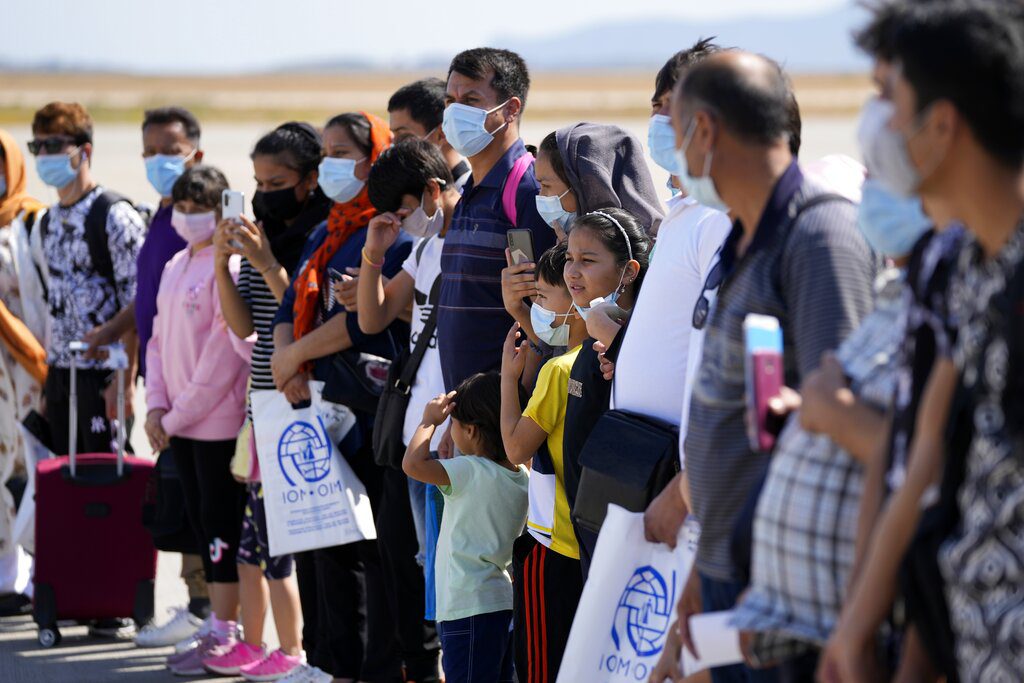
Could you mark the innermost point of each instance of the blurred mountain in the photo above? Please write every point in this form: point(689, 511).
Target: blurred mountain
point(808, 43)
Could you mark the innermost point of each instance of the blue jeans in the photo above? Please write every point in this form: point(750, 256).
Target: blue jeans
point(418, 502)
point(477, 649)
point(722, 595)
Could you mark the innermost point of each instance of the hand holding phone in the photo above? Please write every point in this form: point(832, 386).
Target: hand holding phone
point(765, 376)
point(520, 245)
point(232, 205)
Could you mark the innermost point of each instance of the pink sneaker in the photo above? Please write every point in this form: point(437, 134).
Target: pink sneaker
point(191, 662)
point(230, 662)
point(274, 666)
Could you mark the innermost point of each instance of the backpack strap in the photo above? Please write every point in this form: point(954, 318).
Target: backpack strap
point(96, 237)
point(512, 180)
point(796, 212)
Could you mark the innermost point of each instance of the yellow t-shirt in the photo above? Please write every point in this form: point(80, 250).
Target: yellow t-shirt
point(549, 520)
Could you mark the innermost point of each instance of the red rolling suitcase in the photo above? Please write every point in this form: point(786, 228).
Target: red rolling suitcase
point(94, 559)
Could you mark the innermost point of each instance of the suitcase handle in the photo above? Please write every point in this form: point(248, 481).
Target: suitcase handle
point(117, 359)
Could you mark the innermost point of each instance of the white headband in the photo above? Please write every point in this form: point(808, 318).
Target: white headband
point(629, 247)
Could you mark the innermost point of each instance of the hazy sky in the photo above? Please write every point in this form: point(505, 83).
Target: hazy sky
point(230, 35)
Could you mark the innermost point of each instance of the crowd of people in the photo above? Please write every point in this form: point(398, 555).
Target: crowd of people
point(879, 537)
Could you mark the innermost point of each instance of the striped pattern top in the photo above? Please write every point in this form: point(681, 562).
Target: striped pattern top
point(263, 306)
point(816, 275)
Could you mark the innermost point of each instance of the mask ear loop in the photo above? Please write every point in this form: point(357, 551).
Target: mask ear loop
point(625, 236)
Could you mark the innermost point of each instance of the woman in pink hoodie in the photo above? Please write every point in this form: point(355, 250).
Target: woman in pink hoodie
point(195, 395)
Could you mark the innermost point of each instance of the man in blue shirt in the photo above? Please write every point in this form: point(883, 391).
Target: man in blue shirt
point(485, 97)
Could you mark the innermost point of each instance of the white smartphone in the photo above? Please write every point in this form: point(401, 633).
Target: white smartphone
point(232, 205)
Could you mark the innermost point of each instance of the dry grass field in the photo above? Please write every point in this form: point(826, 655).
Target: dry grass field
point(121, 98)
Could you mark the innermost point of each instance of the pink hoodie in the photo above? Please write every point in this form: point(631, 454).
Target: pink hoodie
point(196, 368)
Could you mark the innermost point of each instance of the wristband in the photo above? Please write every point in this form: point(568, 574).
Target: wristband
point(371, 263)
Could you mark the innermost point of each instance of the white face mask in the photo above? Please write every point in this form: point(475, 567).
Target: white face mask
point(550, 209)
point(419, 224)
point(542, 321)
point(338, 180)
point(885, 150)
point(702, 190)
point(464, 128)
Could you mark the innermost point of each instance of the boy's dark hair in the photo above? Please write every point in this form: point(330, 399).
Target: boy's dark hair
point(970, 52)
point(549, 145)
point(510, 76)
point(478, 404)
point(551, 265)
point(201, 184)
point(358, 129)
point(296, 145)
point(613, 239)
point(757, 110)
point(423, 99)
point(64, 118)
point(164, 115)
point(405, 168)
point(679, 62)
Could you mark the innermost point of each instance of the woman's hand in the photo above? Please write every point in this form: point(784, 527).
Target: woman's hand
point(518, 282)
point(296, 390)
point(223, 237)
point(345, 289)
point(667, 668)
point(438, 409)
point(252, 243)
point(284, 365)
point(848, 658)
point(382, 232)
point(513, 355)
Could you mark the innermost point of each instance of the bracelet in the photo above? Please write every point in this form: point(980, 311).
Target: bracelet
point(371, 263)
point(273, 265)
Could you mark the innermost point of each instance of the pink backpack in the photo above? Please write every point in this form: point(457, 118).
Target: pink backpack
point(508, 193)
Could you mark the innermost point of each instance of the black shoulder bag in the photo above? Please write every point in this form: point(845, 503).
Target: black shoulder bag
point(388, 428)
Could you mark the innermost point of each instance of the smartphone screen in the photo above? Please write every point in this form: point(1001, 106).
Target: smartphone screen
point(765, 375)
point(520, 244)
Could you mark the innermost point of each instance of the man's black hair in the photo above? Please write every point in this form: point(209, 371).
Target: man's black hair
point(510, 77)
point(551, 265)
point(165, 115)
point(201, 184)
point(405, 168)
point(679, 62)
point(971, 53)
point(755, 107)
point(423, 99)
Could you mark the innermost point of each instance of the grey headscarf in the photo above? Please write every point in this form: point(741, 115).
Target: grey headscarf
point(605, 166)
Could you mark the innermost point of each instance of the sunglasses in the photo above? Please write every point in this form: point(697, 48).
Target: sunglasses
point(702, 308)
point(51, 145)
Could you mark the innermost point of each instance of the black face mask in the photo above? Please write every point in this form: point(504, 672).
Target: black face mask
point(281, 205)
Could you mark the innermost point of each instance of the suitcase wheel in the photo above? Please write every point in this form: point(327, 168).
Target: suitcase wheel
point(49, 637)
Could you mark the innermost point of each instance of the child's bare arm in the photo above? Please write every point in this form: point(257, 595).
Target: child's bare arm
point(521, 435)
point(417, 462)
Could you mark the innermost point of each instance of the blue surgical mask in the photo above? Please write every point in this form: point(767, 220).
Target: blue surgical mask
point(55, 169)
point(464, 128)
point(162, 170)
point(702, 190)
point(3, 185)
point(542, 320)
point(891, 224)
point(550, 209)
point(338, 179)
point(671, 188)
point(885, 150)
point(661, 142)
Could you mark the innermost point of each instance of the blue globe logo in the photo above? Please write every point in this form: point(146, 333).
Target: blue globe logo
point(307, 451)
point(645, 611)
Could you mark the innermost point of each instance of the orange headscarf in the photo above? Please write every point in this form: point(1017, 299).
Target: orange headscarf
point(344, 220)
point(16, 200)
point(22, 344)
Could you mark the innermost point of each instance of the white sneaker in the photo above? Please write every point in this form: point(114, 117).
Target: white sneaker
point(307, 674)
point(183, 624)
point(192, 641)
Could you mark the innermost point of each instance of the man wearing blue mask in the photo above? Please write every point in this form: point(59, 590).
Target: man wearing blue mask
point(90, 239)
point(486, 94)
point(416, 110)
point(794, 253)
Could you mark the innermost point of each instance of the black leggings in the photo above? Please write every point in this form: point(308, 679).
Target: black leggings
point(214, 502)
